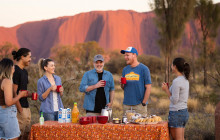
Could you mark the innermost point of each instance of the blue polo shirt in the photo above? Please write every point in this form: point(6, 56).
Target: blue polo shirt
point(47, 104)
point(136, 77)
point(91, 78)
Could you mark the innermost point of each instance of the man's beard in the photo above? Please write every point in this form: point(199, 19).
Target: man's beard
point(97, 69)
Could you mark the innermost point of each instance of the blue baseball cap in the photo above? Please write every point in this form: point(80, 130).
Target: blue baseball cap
point(130, 50)
point(98, 57)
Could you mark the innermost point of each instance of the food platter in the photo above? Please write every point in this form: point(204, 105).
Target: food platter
point(144, 123)
point(147, 120)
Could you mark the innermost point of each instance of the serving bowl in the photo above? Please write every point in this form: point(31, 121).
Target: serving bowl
point(116, 121)
point(102, 119)
point(84, 120)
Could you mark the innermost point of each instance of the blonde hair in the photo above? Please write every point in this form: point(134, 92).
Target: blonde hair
point(6, 66)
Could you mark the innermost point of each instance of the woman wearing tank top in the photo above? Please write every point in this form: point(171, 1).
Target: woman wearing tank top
point(178, 95)
point(9, 128)
point(47, 90)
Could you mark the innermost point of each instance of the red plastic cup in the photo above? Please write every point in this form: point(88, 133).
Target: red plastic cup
point(104, 82)
point(167, 85)
point(34, 96)
point(94, 120)
point(26, 91)
point(123, 80)
point(90, 119)
point(58, 88)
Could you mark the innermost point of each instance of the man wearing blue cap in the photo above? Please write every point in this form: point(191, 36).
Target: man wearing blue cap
point(138, 83)
point(98, 86)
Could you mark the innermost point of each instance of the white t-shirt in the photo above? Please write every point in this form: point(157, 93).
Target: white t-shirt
point(55, 101)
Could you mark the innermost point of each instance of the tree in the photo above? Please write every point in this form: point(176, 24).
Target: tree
point(81, 55)
point(6, 50)
point(208, 17)
point(171, 16)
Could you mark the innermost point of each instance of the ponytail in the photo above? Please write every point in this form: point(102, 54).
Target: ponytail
point(182, 66)
point(41, 69)
point(186, 70)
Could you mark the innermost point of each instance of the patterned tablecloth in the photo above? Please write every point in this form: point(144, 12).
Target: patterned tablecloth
point(52, 130)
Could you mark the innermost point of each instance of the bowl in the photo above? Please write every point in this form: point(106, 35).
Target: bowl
point(116, 121)
point(84, 118)
point(90, 118)
point(84, 122)
point(102, 119)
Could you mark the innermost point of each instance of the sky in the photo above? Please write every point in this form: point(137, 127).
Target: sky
point(14, 12)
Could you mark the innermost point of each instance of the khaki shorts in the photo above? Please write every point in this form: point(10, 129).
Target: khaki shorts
point(24, 120)
point(138, 109)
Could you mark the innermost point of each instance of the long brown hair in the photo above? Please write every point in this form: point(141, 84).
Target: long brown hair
point(6, 66)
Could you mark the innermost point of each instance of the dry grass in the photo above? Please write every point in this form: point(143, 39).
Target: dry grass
point(153, 99)
point(163, 104)
point(210, 109)
point(193, 105)
point(202, 91)
point(158, 92)
point(200, 126)
point(201, 121)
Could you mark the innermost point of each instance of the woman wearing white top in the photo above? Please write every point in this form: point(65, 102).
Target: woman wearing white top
point(178, 95)
point(49, 96)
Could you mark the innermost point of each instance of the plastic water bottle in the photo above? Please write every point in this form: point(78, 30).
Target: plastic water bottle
point(68, 115)
point(60, 120)
point(63, 115)
point(41, 120)
point(75, 113)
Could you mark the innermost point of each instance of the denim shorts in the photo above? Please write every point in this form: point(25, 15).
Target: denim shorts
point(9, 127)
point(178, 118)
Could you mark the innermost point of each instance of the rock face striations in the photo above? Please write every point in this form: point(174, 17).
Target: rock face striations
point(113, 30)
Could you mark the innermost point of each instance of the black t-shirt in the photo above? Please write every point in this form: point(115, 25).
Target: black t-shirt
point(100, 100)
point(20, 78)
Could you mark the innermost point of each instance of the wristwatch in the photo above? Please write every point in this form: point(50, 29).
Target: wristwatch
point(143, 104)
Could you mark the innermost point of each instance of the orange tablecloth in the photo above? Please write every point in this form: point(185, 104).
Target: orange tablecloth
point(52, 130)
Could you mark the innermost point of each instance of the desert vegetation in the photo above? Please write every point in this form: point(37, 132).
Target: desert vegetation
point(201, 104)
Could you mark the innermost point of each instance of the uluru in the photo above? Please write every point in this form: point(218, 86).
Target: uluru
point(113, 30)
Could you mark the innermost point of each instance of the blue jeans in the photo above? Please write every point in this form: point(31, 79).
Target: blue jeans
point(51, 116)
point(9, 127)
point(177, 119)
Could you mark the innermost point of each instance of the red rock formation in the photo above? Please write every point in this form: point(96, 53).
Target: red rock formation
point(111, 29)
point(8, 35)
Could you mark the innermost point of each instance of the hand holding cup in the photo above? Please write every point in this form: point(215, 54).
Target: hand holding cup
point(101, 83)
point(123, 80)
point(53, 87)
point(59, 88)
point(23, 93)
point(34, 96)
point(165, 86)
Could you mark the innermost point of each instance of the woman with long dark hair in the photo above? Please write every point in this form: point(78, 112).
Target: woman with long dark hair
point(49, 96)
point(178, 95)
point(9, 128)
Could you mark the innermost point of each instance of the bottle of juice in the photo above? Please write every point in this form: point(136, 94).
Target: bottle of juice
point(41, 120)
point(75, 113)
